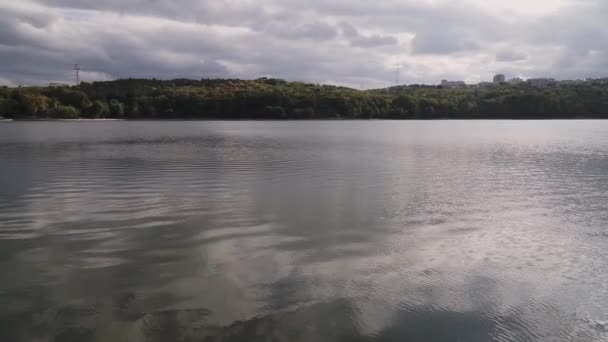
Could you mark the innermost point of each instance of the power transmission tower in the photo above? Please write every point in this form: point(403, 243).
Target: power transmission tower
point(77, 73)
point(397, 66)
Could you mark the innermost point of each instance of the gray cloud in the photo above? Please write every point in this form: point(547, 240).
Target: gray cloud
point(441, 43)
point(348, 30)
point(351, 42)
point(315, 31)
point(374, 41)
point(509, 56)
point(357, 39)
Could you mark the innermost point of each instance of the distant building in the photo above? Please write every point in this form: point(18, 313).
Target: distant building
point(485, 84)
point(57, 85)
point(601, 80)
point(570, 82)
point(515, 81)
point(542, 82)
point(453, 84)
point(500, 78)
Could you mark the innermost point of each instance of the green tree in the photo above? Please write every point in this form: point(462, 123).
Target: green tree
point(64, 112)
point(74, 98)
point(275, 112)
point(303, 113)
point(99, 109)
point(117, 109)
point(9, 108)
point(405, 105)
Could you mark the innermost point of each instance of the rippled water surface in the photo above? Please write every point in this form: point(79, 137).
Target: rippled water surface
point(304, 231)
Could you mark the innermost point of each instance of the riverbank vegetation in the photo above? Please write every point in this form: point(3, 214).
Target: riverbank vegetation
point(278, 99)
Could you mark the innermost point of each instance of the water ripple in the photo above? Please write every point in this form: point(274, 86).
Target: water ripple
point(304, 231)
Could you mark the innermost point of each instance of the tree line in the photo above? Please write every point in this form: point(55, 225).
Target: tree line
point(268, 98)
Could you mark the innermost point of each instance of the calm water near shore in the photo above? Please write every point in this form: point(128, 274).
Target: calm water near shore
point(304, 231)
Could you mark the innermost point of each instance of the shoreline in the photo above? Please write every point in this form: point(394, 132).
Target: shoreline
point(68, 120)
point(316, 119)
point(274, 99)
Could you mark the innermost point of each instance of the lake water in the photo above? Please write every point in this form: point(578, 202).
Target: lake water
point(304, 231)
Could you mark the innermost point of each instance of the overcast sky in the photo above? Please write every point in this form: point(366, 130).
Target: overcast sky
point(349, 42)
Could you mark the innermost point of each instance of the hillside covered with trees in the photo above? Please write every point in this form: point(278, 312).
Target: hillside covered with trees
point(277, 99)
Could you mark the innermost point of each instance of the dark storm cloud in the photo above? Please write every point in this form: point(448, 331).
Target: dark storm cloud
point(351, 42)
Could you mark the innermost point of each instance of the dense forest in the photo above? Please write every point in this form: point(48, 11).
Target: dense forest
point(267, 98)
